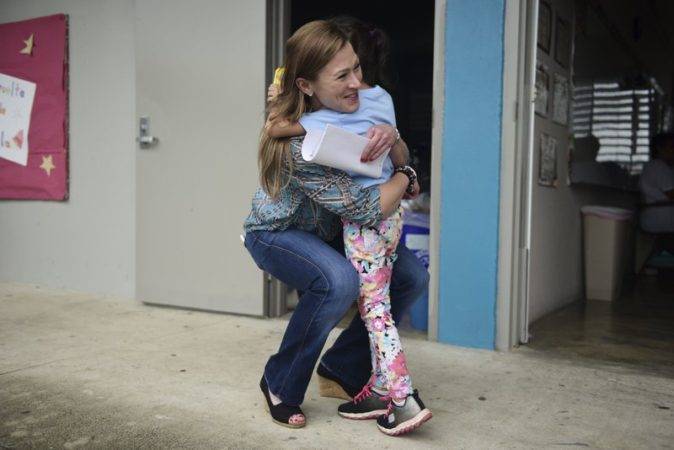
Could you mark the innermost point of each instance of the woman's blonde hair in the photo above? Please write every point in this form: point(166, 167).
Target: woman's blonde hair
point(308, 50)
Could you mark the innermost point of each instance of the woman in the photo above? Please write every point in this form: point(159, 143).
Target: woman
point(657, 191)
point(293, 230)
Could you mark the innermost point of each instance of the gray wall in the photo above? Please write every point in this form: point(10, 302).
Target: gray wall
point(556, 262)
point(598, 55)
point(87, 242)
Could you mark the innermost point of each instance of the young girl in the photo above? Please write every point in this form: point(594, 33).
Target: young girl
point(371, 250)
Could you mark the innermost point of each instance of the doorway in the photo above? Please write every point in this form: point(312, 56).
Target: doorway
point(601, 89)
point(412, 82)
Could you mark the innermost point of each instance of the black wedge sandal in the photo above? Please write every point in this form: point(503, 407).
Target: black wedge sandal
point(282, 414)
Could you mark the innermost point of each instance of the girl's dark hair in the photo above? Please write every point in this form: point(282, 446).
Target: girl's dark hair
point(372, 46)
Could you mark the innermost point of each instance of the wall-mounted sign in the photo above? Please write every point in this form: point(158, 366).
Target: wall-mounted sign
point(34, 109)
point(16, 104)
point(560, 99)
point(542, 91)
point(562, 42)
point(544, 27)
point(547, 170)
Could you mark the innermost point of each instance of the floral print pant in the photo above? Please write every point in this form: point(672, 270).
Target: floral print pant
point(371, 250)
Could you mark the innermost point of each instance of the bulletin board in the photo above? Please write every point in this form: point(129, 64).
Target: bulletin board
point(34, 109)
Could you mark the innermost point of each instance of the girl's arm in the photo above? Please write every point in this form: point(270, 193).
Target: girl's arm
point(283, 128)
point(279, 128)
point(392, 192)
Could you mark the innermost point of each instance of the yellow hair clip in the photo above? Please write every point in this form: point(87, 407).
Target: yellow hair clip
point(278, 75)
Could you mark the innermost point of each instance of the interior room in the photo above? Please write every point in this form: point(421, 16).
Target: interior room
point(600, 285)
point(410, 73)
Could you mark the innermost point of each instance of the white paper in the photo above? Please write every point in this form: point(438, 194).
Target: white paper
point(16, 104)
point(341, 149)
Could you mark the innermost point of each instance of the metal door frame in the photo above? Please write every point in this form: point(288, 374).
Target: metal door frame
point(436, 165)
point(278, 31)
point(517, 173)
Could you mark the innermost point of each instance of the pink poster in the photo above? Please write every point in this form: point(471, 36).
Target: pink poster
point(34, 109)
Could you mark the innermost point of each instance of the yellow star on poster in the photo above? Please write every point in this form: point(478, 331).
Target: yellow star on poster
point(47, 164)
point(28, 49)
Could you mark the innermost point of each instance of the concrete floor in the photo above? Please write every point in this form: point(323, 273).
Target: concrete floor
point(77, 370)
point(637, 330)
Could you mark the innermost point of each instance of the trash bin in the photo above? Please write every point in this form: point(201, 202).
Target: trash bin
point(606, 238)
point(415, 235)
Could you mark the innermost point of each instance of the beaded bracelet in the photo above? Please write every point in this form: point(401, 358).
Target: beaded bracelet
point(411, 175)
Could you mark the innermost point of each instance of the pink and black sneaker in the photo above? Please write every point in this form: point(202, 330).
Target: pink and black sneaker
point(407, 417)
point(365, 405)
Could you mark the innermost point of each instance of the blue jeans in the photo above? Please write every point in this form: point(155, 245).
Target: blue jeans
point(329, 286)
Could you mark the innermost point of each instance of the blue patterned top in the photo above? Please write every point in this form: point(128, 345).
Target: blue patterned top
point(314, 200)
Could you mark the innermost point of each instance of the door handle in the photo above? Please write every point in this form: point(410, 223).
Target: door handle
point(145, 139)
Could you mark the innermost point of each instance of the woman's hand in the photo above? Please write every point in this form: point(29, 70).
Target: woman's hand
point(399, 154)
point(272, 92)
point(382, 138)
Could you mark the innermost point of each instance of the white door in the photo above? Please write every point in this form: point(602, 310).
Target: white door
point(200, 79)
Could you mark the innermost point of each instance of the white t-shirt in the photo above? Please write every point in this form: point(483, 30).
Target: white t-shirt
point(656, 179)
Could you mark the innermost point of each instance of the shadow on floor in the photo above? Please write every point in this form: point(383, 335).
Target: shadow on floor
point(637, 330)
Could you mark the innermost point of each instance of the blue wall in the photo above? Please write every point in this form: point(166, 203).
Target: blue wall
point(470, 172)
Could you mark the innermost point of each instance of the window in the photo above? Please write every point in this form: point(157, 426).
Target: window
point(622, 119)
